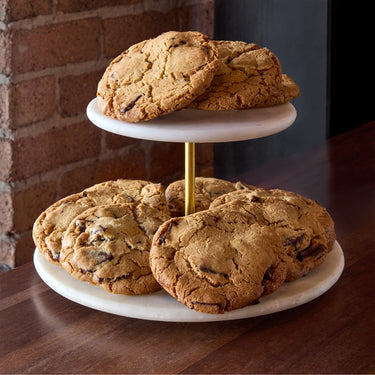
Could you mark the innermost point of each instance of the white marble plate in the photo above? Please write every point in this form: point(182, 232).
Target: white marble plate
point(197, 126)
point(162, 307)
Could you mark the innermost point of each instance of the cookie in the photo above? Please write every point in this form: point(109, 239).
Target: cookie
point(216, 260)
point(248, 76)
point(286, 91)
point(109, 246)
point(207, 189)
point(306, 229)
point(157, 76)
point(50, 226)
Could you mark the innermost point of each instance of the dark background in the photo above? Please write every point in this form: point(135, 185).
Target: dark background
point(327, 47)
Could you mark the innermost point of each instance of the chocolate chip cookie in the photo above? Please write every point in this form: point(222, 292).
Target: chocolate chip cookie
point(157, 76)
point(51, 225)
point(248, 76)
point(207, 189)
point(109, 246)
point(216, 260)
point(305, 228)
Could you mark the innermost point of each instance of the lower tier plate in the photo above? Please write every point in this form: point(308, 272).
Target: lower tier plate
point(161, 306)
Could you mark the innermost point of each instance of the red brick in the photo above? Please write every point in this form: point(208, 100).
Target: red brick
point(55, 45)
point(115, 141)
point(68, 6)
point(24, 249)
point(122, 32)
point(55, 147)
point(205, 171)
point(77, 91)
point(4, 106)
point(21, 9)
point(7, 252)
point(29, 204)
point(6, 212)
point(6, 162)
point(130, 166)
point(199, 17)
point(204, 153)
point(32, 101)
point(166, 159)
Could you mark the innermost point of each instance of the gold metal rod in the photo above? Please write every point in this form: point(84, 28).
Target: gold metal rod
point(189, 178)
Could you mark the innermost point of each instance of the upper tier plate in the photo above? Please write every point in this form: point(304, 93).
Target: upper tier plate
point(197, 126)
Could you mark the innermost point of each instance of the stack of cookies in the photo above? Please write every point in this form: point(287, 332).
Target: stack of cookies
point(130, 237)
point(186, 69)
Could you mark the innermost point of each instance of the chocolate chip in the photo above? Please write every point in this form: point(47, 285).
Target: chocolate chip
point(105, 257)
point(84, 194)
point(101, 229)
point(256, 199)
point(180, 43)
point(268, 274)
point(161, 240)
point(206, 270)
point(309, 251)
point(130, 105)
point(127, 276)
point(84, 271)
point(295, 241)
point(255, 302)
point(55, 257)
point(98, 238)
point(164, 234)
point(210, 270)
point(81, 225)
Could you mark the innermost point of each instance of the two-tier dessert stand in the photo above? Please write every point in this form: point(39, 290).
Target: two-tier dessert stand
point(194, 126)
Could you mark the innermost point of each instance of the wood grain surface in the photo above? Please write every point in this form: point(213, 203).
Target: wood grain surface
point(42, 332)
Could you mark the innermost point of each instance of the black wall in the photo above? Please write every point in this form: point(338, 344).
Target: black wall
point(317, 48)
point(351, 65)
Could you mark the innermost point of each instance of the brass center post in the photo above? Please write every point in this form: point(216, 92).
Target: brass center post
point(189, 178)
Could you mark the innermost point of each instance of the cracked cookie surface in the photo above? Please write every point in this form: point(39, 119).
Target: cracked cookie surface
point(157, 76)
point(248, 76)
point(207, 189)
point(109, 246)
point(305, 227)
point(216, 260)
point(50, 226)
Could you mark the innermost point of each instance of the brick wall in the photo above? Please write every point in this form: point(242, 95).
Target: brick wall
point(52, 54)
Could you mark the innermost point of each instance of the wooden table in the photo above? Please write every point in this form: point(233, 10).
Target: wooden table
point(41, 332)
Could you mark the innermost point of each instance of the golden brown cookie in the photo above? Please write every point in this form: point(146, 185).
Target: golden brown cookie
point(286, 91)
point(216, 260)
point(306, 229)
point(207, 189)
point(157, 76)
point(109, 246)
point(51, 225)
point(248, 76)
